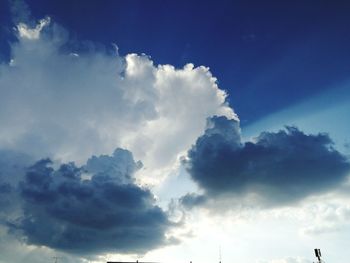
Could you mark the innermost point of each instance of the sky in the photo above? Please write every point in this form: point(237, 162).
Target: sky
point(174, 131)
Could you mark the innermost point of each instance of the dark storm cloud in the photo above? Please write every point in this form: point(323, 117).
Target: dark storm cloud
point(280, 167)
point(106, 213)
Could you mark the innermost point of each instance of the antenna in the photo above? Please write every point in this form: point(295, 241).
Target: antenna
point(220, 254)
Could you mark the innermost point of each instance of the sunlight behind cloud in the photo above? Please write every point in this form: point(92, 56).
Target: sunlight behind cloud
point(115, 154)
point(156, 111)
point(32, 33)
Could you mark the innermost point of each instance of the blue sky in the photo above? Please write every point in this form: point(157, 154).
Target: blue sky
point(266, 55)
point(163, 130)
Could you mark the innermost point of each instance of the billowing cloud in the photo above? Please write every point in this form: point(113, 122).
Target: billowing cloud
point(59, 101)
point(66, 101)
point(277, 168)
point(69, 101)
point(107, 212)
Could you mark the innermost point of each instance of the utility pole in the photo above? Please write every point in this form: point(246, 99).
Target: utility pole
point(318, 255)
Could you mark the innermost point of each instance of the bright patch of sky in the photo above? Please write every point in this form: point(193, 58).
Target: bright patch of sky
point(326, 112)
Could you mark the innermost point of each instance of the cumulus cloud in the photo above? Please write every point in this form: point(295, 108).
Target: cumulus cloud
point(105, 213)
point(59, 101)
point(277, 168)
point(63, 100)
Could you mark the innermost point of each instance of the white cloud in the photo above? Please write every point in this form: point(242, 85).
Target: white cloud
point(32, 33)
point(69, 107)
